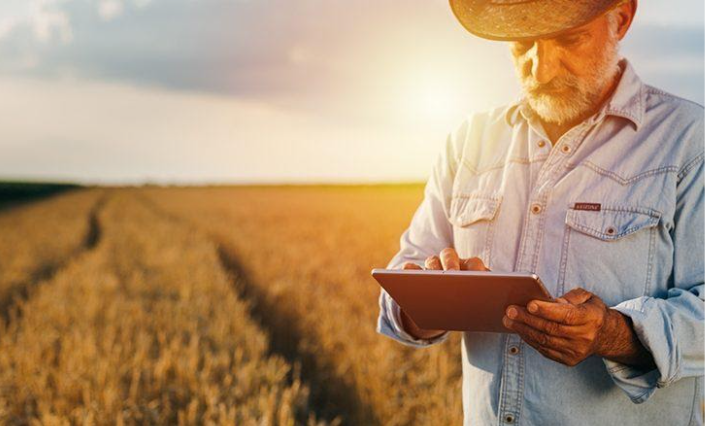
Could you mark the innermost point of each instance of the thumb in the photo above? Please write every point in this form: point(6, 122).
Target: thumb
point(473, 264)
point(577, 296)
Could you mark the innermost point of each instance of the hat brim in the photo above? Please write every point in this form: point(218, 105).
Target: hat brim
point(513, 20)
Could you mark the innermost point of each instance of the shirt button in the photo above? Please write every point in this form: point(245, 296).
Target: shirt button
point(509, 418)
point(513, 350)
point(536, 209)
point(541, 143)
point(565, 149)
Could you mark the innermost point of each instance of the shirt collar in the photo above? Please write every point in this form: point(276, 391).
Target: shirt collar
point(627, 101)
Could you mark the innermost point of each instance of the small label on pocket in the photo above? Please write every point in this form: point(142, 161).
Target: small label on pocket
point(596, 207)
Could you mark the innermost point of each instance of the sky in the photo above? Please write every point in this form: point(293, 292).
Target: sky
point(268, 91)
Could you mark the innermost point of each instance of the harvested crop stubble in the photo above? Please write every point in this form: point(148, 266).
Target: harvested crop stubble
point(37, 238)
point(308, 252)
point(144, 329)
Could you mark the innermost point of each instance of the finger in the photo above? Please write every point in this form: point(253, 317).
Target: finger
point(529, 333)
point(473, 264)
point(411, 265)
point(549, 353)
point(561, 353)
point(450, 260)
point(577, 296)
point(517, 313)
point(564, 313)
point(433, 262)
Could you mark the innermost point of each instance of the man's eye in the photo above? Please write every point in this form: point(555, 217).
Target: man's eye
point(570, 41)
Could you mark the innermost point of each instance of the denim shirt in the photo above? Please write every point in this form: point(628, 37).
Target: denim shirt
point(615, 207)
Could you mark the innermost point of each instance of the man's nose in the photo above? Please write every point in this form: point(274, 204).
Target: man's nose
point(545, 62)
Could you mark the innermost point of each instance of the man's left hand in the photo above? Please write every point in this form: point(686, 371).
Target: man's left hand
point(568, 330)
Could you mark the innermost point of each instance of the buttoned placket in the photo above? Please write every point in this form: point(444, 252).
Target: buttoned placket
point(550, 172)
point(512, 384)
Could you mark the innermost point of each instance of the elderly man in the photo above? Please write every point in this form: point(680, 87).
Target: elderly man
point(593, 181)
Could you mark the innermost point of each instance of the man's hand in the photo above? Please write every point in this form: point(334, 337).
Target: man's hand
point(447, 260)
point(578, 325)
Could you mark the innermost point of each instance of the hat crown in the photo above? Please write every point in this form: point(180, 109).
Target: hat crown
point(526, 19)
point(511, 1)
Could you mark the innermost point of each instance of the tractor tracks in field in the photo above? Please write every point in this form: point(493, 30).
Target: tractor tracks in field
point(332, 399)
point(22, 290)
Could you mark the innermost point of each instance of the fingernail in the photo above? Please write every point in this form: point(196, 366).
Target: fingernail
point(533, 308)
point(512, 312)
point(506, 321)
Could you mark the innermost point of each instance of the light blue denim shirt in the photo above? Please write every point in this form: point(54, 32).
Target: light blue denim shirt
point(500, 191)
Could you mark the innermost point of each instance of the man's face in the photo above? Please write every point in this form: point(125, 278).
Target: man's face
point(563, 77)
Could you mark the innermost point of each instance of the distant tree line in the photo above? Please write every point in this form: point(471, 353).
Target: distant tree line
point(12, 192)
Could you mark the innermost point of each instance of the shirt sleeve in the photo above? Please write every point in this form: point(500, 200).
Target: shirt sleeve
point(428, 234)
point(671, 328)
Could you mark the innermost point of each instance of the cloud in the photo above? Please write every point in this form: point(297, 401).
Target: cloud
point(141, 3)
point(109, 9)
point(7, 24)
point(128, 90)
point(277, 50)
point(241, 48)
point(108, 132)
point(49, 21)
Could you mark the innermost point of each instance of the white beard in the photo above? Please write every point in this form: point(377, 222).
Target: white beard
point(580, 95)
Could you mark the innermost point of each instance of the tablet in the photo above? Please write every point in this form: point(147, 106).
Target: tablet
point(460, 300)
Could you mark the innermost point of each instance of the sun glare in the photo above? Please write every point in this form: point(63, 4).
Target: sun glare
point(431, 96)
point(437, 100)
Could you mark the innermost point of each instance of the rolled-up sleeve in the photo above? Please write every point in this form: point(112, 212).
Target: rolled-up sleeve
point(389, 324)
point(672, 328)
point(428, 234)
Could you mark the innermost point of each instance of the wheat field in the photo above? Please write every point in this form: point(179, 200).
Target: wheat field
point(226, 305)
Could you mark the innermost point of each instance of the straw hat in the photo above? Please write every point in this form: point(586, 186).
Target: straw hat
point(526, 19)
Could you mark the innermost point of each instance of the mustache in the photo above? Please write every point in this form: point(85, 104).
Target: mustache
point(562, 83)
point(558, 84)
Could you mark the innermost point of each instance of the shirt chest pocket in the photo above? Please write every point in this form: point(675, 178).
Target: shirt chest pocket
point(473, 218)
point(609, 252)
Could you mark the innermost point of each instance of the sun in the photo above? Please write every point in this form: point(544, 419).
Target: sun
point(431, 97)
point(437, 100)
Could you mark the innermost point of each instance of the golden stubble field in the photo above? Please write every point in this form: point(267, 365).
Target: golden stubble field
point(237, 305)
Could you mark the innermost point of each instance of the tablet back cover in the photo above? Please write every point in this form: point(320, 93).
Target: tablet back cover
point(459, 300)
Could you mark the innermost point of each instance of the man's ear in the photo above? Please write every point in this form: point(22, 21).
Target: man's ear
point(625, 16)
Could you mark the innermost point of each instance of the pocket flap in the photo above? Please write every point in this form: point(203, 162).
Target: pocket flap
point(611, 223)
point(467, 210)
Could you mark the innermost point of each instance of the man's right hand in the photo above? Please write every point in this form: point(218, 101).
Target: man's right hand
point(447, 260)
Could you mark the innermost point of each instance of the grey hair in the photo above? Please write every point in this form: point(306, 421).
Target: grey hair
point(613, 21)
point(613, 26)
